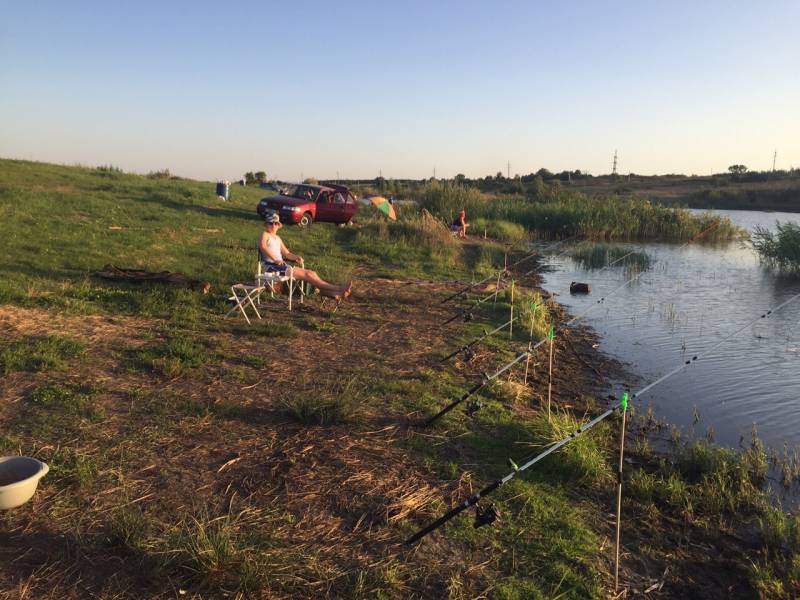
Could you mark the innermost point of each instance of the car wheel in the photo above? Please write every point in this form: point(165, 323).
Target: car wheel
point(306, 220)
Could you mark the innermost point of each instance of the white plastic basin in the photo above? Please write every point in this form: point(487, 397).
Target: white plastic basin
point(19, 476)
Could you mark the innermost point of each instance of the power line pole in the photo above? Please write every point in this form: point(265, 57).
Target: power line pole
point(434, 172)
point(774, 156)
point(508, 170)
point(614, 170)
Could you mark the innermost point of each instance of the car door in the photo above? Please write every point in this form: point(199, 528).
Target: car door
point(331, 207)
point(323, 207)
point(351, 207)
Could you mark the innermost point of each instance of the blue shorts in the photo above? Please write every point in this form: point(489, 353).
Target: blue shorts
point(271, 267)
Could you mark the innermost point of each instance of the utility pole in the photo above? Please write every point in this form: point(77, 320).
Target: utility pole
point(337, 176)
point(774, 156)
point(434, 172)
point(380, 173)
point(614, 170)
point(508, 170)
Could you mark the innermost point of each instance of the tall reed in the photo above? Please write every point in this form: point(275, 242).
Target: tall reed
point(560, 213)
point(780, 249)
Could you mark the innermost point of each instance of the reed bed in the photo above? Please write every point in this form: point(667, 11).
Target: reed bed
point(561, 213)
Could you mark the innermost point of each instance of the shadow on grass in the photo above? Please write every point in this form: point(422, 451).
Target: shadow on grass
point(229, 213)
point(52, 565)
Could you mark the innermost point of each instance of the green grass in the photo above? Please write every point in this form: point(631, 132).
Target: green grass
point(175, 355)
point(67, 399)
point(88, 217)
point(497, 229)
point(340, 401)
point(46, 353)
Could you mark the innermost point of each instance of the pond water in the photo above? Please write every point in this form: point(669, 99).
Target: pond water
point(688, 298)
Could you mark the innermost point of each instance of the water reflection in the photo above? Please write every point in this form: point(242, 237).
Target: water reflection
point(686, 300)
point(600, 256)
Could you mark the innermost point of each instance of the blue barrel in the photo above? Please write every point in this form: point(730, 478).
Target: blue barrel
point(224, 189)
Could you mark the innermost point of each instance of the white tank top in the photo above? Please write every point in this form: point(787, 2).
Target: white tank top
point(274, 246)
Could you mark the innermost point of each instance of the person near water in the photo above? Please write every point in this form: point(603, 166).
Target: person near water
point(274, 255)
point(460, 224)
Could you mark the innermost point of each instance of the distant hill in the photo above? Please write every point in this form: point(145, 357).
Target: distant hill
point(749, 191)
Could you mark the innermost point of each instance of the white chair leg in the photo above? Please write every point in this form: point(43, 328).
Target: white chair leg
point(250, 300)
point(236, 299)
point(291, 290)
point(240, 307)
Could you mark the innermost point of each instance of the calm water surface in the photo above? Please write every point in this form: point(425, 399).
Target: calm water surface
point(688, 299)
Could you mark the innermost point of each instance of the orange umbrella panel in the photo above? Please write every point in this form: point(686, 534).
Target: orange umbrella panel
point(382, 204)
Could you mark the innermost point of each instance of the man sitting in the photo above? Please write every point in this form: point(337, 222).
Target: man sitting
point(272, 252)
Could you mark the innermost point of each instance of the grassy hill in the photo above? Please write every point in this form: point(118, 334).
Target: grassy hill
point(194, 456)
point(62, 223)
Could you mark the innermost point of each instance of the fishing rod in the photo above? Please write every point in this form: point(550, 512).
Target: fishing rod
point(487, 515)
point(574, 319)
point(527, 352)
point(475, 388)
point(469, 287)
point(467, 312)
point(468, 347)
point(503, 270)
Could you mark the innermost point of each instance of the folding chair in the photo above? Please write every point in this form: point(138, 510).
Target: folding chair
point(270, 280)
point(243, 295)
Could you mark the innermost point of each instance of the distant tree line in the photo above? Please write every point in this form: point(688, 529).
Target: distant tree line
point(534, 184)
point(251, 178)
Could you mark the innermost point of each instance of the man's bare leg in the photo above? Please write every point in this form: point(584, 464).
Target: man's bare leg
point(311, 277)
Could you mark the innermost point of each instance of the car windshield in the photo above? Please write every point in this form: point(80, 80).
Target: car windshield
point(303, 192)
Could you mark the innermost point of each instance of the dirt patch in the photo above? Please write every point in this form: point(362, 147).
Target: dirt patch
point(18, 322)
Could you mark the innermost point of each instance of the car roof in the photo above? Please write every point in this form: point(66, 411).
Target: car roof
point(329, 187)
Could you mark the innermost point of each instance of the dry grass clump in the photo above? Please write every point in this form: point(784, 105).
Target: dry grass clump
point(340, 401)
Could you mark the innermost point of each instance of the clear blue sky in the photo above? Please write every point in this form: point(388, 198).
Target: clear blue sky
point(213, 89)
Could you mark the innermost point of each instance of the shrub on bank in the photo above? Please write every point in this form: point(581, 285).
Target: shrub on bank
point(496, 229)
point(780, 249)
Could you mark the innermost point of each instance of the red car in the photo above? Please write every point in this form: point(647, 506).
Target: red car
point(304, 203)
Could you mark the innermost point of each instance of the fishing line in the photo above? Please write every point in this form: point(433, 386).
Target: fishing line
point(503, 270)
point(530, 349)
point(467, 312)
point(475, 498)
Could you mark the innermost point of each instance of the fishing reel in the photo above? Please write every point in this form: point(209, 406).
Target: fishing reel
point(485, 515)
point(468, 316)
point(472, 407)
point(469, 355)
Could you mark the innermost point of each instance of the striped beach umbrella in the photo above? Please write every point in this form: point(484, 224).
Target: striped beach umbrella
point(382, 204)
